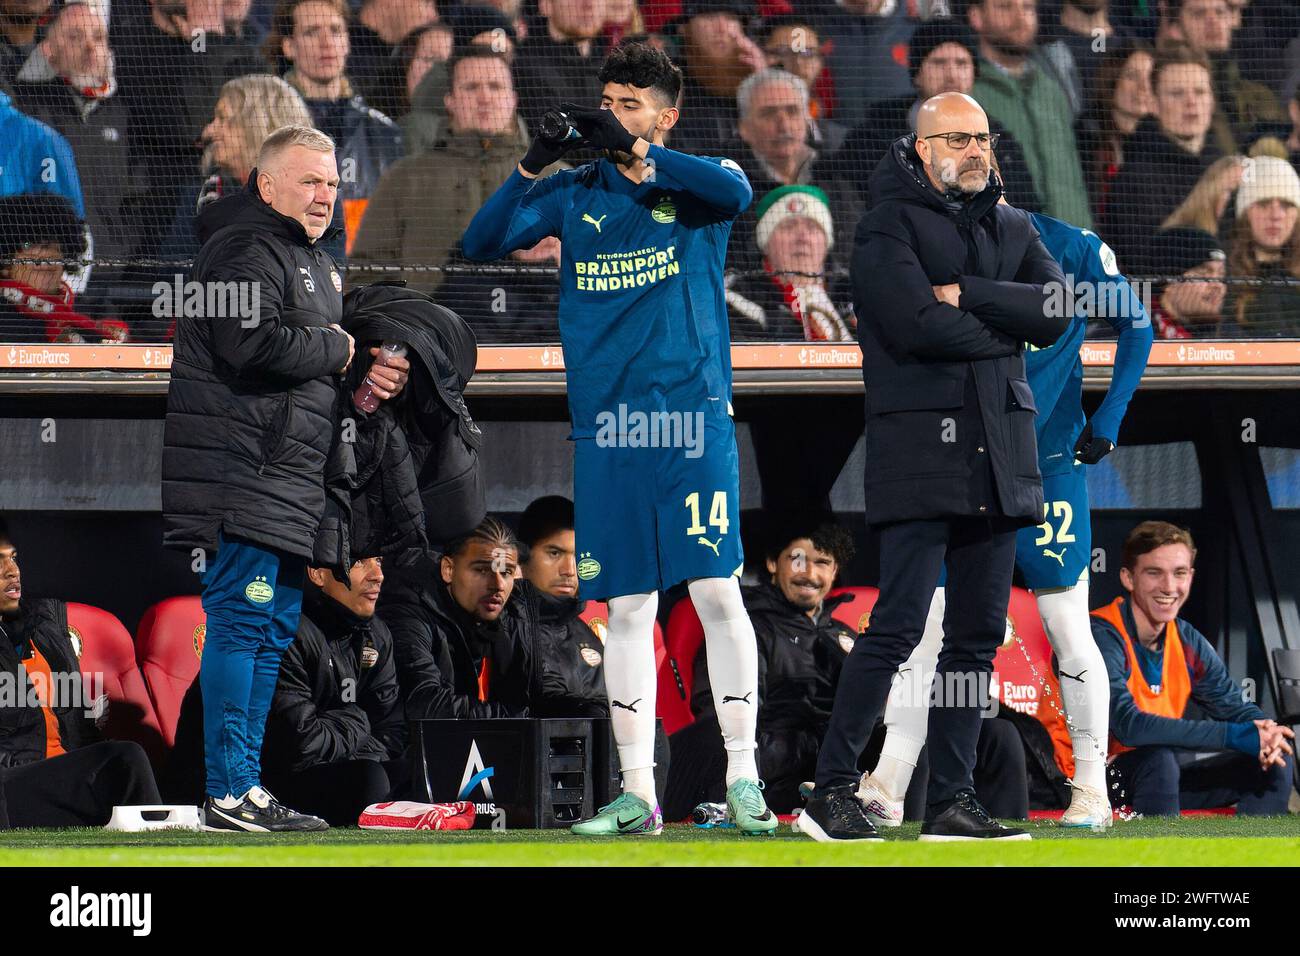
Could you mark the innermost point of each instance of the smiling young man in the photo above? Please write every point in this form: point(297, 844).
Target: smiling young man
point(643, 321)
point(801, 648)
point(1158, 663)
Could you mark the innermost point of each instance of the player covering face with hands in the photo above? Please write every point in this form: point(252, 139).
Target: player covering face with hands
point(643, 321)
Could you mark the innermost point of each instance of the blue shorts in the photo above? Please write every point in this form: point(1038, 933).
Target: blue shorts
point(646, 519)
point(1057, 552)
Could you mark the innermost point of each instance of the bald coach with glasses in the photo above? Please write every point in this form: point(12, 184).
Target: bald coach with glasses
point(949, 286)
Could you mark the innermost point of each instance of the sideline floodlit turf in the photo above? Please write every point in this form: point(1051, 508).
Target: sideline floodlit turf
point(1202, 841)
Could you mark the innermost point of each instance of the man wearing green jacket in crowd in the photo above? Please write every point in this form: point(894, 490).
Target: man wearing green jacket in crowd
point(1020, 89)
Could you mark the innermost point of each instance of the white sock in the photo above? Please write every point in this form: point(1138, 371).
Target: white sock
point(1087, 698)
point(732, 652)
point(630, 684)
point(907, 713)
point(641, 783)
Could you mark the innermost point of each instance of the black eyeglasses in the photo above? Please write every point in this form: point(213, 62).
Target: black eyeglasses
point(962, 140)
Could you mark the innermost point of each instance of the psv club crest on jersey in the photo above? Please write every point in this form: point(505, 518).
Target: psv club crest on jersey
point(664, 211)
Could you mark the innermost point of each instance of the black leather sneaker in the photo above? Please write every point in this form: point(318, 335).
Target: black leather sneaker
point(836, 816)
point(966, 819)
point(258, 812)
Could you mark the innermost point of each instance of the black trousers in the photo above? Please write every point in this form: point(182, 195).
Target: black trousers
point(787, 758)
point(338, 792)
point(980, 555)
point(77, 789)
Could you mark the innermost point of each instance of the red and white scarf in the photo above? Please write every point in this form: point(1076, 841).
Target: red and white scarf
point(63, 323)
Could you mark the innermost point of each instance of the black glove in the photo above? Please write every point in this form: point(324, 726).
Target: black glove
point(600, 128)
point(542, 152)
point(1090, 450)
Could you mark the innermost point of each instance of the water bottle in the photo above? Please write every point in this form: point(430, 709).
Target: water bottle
point(706, 816)
point(365, 398)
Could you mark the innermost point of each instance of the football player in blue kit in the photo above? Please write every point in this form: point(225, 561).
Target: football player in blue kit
point(643, 323)
point(1053, 557)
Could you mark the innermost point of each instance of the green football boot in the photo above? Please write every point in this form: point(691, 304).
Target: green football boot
point(748, 810)
point(628, 815)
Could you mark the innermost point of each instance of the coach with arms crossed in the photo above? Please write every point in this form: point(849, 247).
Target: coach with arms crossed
point(948, 286)
point(251, 416)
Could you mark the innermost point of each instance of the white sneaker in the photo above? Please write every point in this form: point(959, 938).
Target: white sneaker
point(881, 809)
point(1089, 808)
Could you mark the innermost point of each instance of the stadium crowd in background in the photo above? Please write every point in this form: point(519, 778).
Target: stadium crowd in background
point(1109, 112)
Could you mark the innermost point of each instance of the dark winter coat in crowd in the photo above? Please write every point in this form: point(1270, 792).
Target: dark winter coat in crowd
point(846, 208)
point(504, 309)
point(367, 141)
point(251, 412)
point(442, 650)
point(572, 660)
point(431, 413)
point(99, 131)
point(377, 70)
point(707, 125)
point(548, 73)
point(925, 362)
point(889, 119)
point(41, 623)
point(171, 86)
point(337, 697)
point(1156, 177)
point(869, 60)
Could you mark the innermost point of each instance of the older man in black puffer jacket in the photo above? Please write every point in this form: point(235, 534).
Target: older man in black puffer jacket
point(252, 416)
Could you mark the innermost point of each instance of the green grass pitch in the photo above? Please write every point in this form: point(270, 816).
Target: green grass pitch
point(1189, 841)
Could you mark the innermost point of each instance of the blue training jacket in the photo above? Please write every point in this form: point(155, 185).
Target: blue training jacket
point(643, 314)
point(1055, 373)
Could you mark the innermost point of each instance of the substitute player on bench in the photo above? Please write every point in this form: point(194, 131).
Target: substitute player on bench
point(643, 321)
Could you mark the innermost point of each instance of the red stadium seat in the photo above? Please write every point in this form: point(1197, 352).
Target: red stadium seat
point(1020, 688)
point(169, 646)
point(685, 634)
point(107, 658)
point(856, 613)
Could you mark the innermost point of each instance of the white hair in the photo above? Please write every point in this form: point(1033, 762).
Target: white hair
point(287, 137)
point(770, 75)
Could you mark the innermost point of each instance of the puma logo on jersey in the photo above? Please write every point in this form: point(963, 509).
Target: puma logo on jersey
point(586, 217)
point(711, 544)
point(742, 700)
point(1078, 676)
point(631, 706)
point(1060, 558)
